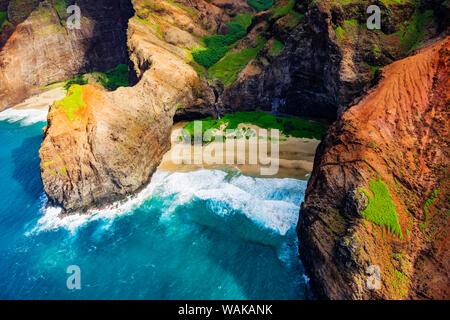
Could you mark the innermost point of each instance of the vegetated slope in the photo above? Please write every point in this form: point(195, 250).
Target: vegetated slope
point(320, 56)
point(378, 194)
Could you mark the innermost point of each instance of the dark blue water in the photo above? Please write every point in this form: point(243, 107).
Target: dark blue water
point(202, 235)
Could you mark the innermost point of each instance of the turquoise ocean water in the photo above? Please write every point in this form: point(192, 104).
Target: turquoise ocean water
point(207, 234)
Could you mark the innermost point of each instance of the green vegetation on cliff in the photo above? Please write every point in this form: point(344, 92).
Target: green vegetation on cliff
point(295, 127)
point(110, 80)
point(3, 16)
point(282, 10)
point(114, 78)
point(276, 47)
point(218, 45)
point(245, 20)
point(217, 57)
point(79, 80)
point(410, 32)
point(349, 27)
point(233, 62)
point(428, 203)
point(381, 208)
point(3, 19)
point(260, 5)
point(61, 7)
point(73, 103)
point(187, 9)
point(414, 30)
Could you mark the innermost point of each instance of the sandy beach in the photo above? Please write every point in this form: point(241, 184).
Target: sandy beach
point(35, 108)
point(43, 100)
point(296, 156)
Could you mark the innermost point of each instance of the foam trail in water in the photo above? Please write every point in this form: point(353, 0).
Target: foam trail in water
point(25, 116)
point(51, 219)
point(35, 108)
point(271, 203)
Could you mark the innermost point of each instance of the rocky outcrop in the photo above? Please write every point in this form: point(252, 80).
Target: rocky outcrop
point(329, 58)
point(42, 50)
point(102, 146)
point(391, 150)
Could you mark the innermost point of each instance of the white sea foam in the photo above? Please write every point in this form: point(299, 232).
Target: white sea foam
point(271, 203)
point(51, 219)
point(35, 108)
point(25, 116)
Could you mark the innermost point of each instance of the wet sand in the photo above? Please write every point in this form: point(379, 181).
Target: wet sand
point(296, 156)
point(43, 100)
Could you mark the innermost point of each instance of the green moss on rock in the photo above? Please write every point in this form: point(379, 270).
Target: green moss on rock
point(428, 203)
point(414, 30)
point(381, 208)
point(3, 17)
point(218, 45)
point(117, 77)
point(73, 102)
point(260, 5)
point(283, 9)
point(233, 62)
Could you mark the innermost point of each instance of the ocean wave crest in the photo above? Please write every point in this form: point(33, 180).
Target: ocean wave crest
point(270, 203)
point(26, 117)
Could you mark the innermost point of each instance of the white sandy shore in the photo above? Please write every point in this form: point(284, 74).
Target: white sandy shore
point(296, 157)
point(35, 108)
point(43, 100)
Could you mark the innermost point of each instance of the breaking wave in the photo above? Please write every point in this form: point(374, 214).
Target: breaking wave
point(271, 203)
point(26, 117)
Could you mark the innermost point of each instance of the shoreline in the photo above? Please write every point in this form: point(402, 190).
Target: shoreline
point(296, 157)
point(34, 109)
point(42, 100)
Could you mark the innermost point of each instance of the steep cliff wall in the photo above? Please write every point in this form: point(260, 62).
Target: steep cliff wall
point(378, 194)
point(42, 50)
point(102, 146)
point(321, 57)
point(316, 52)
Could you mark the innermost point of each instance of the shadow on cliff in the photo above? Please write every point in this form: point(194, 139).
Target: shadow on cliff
point(26, 166)
point(108, 46)
point(105, 48)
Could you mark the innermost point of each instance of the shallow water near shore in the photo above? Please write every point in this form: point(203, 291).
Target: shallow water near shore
point(205, 234)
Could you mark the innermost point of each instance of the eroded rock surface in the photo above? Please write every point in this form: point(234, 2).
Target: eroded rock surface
point(110, 145)
point(399, 134)
point(315, 58)
point(329, 58)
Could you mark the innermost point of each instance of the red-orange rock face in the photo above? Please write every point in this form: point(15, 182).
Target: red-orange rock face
point(109, 147)
point(400, 133)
